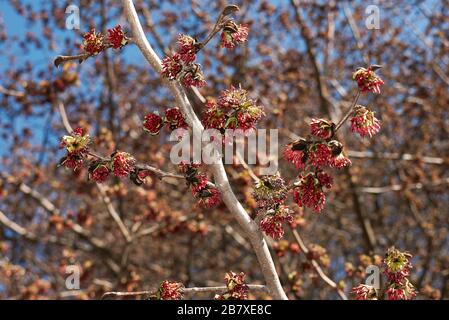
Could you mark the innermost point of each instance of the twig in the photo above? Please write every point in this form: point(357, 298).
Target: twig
point(316, 266)
point(399, 187)
point(396, 156)
point(142, 166)
point(64, 118)
point(113, 213)
point(219, 24)
point(348, 113)
point(193, 290)
point(12, 93)
point(16, 228)
point(62, 59)
point(107, 202)
point(51, 208)
point(150, 230)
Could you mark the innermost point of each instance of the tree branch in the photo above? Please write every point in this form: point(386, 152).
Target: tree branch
point(221, 180)
point(317, 267)
point(193, 290)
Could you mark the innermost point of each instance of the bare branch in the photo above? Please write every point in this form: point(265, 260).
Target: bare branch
point(317, 267)
point(193, 290)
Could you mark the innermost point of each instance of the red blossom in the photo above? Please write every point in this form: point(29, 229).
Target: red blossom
point(322, 128)
point(170, 290)
point(187, 48)
point(367, 80)
point(296, 153)
point(233, 110)
point(200, 182)
point(233, 35)
point(77, 146)
point(340, 161)
point(171, 66)
point(272, 226)
point(364, 292)
point(153, 123)
point(116, 37)
point(122, 164)
point(309, 191)
point(193, 76)
point(270, 191)
point(272, 223)
point(175, 119)
point(237, 288)
point(364, 122)
point(213, 117)
point(207, 195)
point(181, 65)
point(397, 265)
point(247, 119)
point(403, 290)
point(319, 154)
point(93, 42)
point(99, 172)
point(72, 161)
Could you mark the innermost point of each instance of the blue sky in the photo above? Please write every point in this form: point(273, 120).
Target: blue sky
point(42, 58)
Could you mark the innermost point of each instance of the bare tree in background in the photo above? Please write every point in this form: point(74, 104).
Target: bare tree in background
point(128, 236)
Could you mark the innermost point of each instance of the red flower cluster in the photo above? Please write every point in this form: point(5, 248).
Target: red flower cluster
point(171, 66)
point(233, 34)
point(296, 153)
point(364, 122)
point(318, 154)
point(364, 292)
point(237, 289)
point(93, 42)
point(116, 37)
point(272, 223)
point(401, 291)
point(269, 191)
point(367, 80)
point(77, 146)
point(96, 42)
point(322, 128)
point(174, 119)
point(122, 164)
point(181, 65)
point(187, 48)
point(397, 267)
point(202, 190)
point(170, 290)
point(233, 110)
point(153, 123)
point(308, 191)
point(99, 171)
